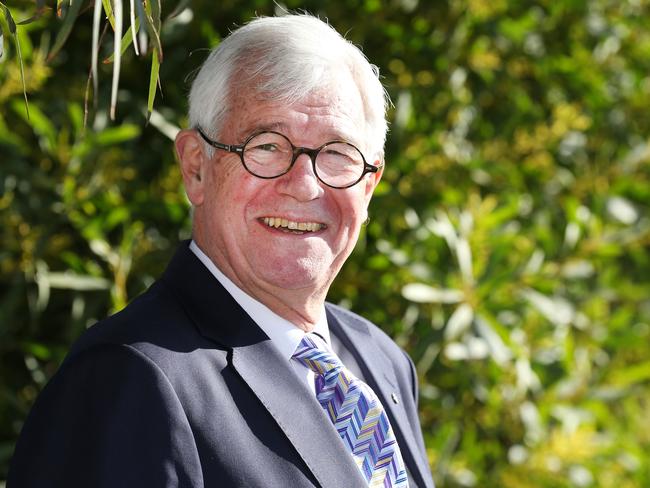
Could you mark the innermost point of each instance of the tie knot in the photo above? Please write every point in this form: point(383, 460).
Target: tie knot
point(317, 357)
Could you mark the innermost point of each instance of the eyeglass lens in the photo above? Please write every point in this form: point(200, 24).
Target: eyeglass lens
point(270, 154)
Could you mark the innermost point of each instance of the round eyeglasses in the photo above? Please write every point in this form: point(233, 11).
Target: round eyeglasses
point(269, 154)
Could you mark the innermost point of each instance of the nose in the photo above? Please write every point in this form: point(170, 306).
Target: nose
point(301, 182)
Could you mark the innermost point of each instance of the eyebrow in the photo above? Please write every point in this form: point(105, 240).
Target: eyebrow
point(276, 126)
point(283, 128)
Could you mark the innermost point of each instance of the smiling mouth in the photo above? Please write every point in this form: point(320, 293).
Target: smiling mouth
point(291, 226)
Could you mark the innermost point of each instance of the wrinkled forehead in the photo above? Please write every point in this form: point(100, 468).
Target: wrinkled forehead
point(336, 99)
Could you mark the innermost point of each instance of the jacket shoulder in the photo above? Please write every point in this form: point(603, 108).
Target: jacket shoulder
point(154, 318)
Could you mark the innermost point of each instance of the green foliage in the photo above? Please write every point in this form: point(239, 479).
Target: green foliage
point(508, 244)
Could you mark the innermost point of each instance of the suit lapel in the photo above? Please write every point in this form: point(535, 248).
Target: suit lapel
point(379, 372)
point(271, 378)
point(298, 413)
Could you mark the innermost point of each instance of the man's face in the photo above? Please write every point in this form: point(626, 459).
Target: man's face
point(238, 217)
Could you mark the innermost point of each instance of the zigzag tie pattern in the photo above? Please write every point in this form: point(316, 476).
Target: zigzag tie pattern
point(357, 414)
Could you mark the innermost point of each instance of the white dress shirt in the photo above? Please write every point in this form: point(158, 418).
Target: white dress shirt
point(283, 334)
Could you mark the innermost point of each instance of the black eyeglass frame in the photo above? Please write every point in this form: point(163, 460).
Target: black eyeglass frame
point(297, 151)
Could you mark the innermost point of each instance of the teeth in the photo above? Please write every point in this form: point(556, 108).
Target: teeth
point(278, 222)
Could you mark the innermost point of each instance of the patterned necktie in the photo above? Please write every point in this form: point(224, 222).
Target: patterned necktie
point(357, 414)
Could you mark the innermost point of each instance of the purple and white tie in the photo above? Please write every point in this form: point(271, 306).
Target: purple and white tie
point(357, 415)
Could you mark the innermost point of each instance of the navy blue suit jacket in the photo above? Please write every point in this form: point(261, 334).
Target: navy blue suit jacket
point(182, 388)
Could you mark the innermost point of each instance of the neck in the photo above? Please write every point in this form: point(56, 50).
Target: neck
point(304, 312)
point(303, 307)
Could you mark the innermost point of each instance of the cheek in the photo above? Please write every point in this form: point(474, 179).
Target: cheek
point(232, 187)
point(353, 208)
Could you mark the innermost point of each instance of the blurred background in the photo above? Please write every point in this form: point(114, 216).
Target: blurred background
point(508, 246)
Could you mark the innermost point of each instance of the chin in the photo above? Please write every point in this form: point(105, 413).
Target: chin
point(297, 280)
point(297, 277)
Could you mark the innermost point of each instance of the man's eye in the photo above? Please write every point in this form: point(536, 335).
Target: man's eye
point(342, 156)
point(266, 147)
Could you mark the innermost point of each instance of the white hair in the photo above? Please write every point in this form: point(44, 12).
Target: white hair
point(284, 59)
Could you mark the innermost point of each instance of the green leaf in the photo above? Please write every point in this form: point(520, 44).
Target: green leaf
point(41, 351)
point(108, 8)
point(117, 53)
point(155, 13)
point(139, 10)
point(40, 10)
point(22, 75)
point(153, 31)
point(97, 12)
point(116, 216)
point(127, 39)
point(10, 20)
point(153, 81)
point(422, 293)
point(134, 26)
point(631, 375)
point(116, 135)
point(12, 30)
point(40, 124)
point(72, 281)
point(64, 32)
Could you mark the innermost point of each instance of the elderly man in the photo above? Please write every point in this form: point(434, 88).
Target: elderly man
point(232, 370)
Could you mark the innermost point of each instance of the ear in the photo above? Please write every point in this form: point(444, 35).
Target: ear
point(193, 163)
point(372, 180)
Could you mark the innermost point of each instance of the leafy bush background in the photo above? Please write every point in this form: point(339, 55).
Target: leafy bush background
point(508, 246)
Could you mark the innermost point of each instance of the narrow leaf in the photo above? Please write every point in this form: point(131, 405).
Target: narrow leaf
point(22, 74)
point(630, 375)
point(126, 41)
point(40, 10)
point(2, 42)
point(10, 20)
point(142, 34)
point(153, 31)
point(88, 81)
point(116, 135)
point(12, 30)
point(155, 13)
point(165, 127)
point(117, 54)
point(421, 293)
point(108, 8)
point(180, 7)
point(64, 32)
point(33, 18)
point(153, 80)
point(97, 13)
point(134, 28)
point(41, 124)
point(86, 95)
point(72, 281)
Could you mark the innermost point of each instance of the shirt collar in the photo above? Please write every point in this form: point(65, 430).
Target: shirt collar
point(283, 334)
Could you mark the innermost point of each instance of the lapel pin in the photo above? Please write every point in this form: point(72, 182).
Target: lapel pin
point(394, 397)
